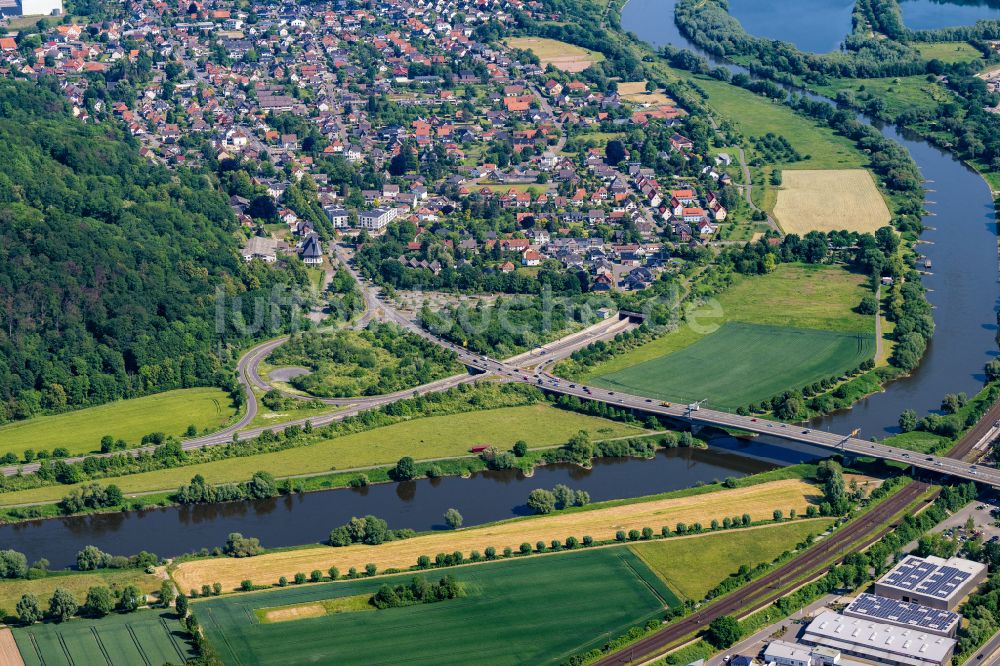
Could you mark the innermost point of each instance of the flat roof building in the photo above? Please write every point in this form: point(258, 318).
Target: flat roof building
point(931, 581)
point(793, 654)
point(877, 641)
point(904, 614)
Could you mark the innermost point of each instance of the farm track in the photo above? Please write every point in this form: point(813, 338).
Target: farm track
point(855, 536)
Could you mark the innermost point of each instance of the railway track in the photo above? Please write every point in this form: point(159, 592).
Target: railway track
point(855, 536)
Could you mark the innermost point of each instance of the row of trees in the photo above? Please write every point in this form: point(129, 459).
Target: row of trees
point(261, 485)
point(100, 601)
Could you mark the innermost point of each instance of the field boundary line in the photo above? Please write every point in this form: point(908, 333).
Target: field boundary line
point(100, 644)
point(65, 648)
point(173, 640)
point(38, 651)
point(138, 645)
point(225, 637)
point(635, 573)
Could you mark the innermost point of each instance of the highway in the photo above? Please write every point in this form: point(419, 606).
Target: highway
point(516, 370)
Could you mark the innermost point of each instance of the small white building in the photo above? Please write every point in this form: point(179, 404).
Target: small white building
point(793, 654)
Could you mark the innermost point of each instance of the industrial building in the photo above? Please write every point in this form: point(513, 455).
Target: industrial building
point(904, 614)
point(931, 581)
point(31, 7)
point(877, 641)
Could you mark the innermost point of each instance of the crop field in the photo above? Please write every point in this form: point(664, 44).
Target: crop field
point(797, 295)
point(600, 523)
point(424, 438)
point(829, 201)
point(78, 583)
point(522, 611)
point(9, 654)
point(743, 363)
point(146, 637)
point(635, 91)
point(567, 57)
point(692, 567)
point(81, 431)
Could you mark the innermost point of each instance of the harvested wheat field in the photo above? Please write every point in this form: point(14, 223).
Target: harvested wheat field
point(829, 200)
point(9, 654)
point(759, 501)
point(567, 57)
point(635, 91)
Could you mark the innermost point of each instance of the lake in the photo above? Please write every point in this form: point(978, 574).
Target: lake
point(817, 26)
point(932, 14)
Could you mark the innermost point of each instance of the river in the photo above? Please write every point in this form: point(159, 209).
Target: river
point(419, 504)
point(961, 243)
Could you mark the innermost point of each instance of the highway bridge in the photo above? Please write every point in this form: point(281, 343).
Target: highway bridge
point(530, 367)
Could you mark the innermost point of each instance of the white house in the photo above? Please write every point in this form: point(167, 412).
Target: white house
point(376, 219)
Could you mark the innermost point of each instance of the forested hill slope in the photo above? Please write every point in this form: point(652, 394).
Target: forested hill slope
point(108, 265)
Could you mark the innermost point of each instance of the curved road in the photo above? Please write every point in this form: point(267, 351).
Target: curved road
point(512, 370)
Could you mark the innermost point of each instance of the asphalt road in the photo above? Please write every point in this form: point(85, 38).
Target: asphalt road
point(481, 365)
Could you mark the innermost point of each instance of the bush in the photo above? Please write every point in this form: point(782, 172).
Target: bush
point(571, 542)
point(633, 535)
point(282, 582)
point(453, 519)
point(540, 547)
point(316, 575)
point(588, 540)
point(370, 569)
point(299, 578)
point(541, 501)
point(239, 546)
point(723, 632)
point(620, 535)
point(647, 533)
point(525, 548)
point(423, 561)
point(246, 585)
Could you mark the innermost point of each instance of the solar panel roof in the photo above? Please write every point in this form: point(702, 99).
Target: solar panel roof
point(902, 613)
point(917, 575)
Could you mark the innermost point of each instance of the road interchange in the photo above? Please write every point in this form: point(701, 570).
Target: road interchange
point(530, 367)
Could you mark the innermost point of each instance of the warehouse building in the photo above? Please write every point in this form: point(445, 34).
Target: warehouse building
point(878, 641)
point(31, 7)
point(931, 581)
point(904, 614)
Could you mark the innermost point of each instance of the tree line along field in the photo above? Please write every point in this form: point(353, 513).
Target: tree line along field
point(732, 352)
point(600, 521)
point(422, 438)
point(148, 637)
point(77, 583)
point(81, 431)
point(534, 610)
point(717, 556)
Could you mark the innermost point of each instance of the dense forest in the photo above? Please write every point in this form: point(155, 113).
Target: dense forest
point(110, 266)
